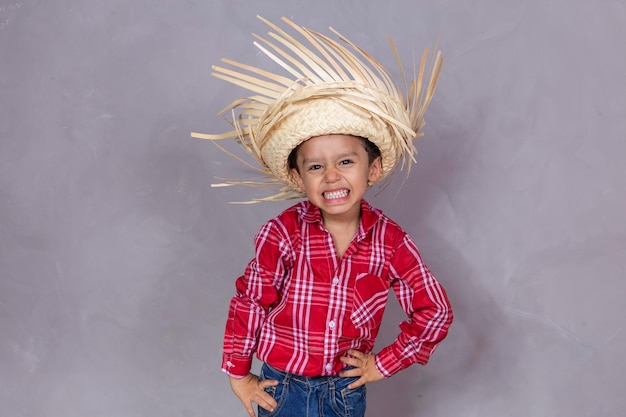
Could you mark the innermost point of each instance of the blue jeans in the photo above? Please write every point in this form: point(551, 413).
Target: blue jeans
point(324, 396)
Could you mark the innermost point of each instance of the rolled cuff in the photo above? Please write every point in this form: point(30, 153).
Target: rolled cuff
point(388, 362)
point(237, 367)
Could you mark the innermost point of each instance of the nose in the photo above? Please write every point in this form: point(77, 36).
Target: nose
point(331, 175)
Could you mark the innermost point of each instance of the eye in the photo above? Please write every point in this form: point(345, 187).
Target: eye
point(314, 167)
point(345, 162)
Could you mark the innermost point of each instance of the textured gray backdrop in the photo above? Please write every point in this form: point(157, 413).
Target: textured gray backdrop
point(117, 260)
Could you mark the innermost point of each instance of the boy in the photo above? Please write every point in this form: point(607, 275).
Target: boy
point(311, 302)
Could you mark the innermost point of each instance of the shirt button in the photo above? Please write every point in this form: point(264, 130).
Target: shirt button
point(329, 367)
point(331, 324)
point(335, 280)
point(229, 364)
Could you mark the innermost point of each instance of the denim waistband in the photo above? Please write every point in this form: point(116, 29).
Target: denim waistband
point(310, 380)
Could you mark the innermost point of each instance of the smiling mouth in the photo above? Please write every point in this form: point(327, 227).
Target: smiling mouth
point(331, 195)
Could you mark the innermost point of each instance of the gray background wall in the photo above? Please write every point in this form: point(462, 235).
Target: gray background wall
point(117, 260)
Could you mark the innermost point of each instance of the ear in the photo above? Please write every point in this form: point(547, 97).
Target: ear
point(296, 176)
point(375, 170)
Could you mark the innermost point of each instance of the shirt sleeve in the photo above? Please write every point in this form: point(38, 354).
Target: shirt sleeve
point(257, 290)
point(426, 305)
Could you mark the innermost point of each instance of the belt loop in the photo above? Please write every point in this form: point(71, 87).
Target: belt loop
point(331, 384)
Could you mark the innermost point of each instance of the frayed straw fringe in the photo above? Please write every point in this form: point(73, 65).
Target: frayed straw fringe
point(330, 69)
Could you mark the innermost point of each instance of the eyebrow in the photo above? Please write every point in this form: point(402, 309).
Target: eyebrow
point(340, 156)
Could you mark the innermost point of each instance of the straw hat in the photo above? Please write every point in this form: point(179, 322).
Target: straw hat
point(333, 88)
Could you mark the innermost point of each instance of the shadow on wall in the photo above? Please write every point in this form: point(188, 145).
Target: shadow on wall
point(463, 361)
point(466, 359)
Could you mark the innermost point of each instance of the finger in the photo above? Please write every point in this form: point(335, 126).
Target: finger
point(349, 373)
point(267, 406)
point(356, 353)
point(263, 399)
point(350, 361)
point(354, 358)
point(268, 383)
point(250, 410)
point(357, 383)
point(266, 401)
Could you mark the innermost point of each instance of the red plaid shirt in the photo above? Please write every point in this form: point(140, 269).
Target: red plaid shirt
point(300, 308)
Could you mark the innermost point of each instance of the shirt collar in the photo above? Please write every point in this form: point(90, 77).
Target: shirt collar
point(310, 213)
point(369, 216)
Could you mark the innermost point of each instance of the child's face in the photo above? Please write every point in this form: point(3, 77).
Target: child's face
point(333, 171)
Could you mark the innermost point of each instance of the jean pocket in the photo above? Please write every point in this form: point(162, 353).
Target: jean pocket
point(277, 392)
point(369, 301)
point(351, 402)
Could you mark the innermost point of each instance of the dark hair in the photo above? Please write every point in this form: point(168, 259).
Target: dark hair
point(372, 153)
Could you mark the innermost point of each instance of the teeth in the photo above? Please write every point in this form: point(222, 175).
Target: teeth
point(336, 194)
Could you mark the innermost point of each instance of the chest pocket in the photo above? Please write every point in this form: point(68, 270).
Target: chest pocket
point(370, 299)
